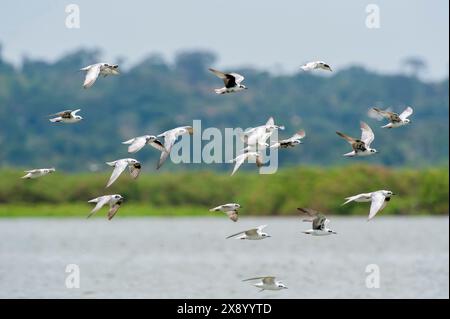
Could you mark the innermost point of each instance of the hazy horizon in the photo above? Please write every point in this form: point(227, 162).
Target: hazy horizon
point(272, 36)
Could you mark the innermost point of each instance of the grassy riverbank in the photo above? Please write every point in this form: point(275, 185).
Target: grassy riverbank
point(422, 192)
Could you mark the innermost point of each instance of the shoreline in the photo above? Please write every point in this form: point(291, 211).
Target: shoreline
point(81, 210)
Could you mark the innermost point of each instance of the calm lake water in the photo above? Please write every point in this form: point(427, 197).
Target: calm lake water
point(190, 258)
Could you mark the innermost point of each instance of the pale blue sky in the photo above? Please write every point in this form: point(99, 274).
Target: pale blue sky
point(272, 35)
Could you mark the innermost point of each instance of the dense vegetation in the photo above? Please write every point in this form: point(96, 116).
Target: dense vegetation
point(155, 95)
point(419, 191)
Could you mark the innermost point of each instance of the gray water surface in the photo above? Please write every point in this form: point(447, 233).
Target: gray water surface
point(190, 258)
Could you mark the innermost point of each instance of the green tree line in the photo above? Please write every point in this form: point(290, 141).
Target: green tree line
point(155, 95)
point(423, 191)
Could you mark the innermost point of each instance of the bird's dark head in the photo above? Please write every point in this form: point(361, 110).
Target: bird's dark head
point(389, 193)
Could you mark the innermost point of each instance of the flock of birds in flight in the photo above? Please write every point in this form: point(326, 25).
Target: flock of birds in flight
point(256, 141)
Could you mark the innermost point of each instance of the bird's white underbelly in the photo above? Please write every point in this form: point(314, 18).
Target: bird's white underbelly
point(36, 175)
point(267, 287)
point(70, 120)
point(251, 237)
point(234, 89)
point(363, 153)
point(397, 124)
point(317, 232)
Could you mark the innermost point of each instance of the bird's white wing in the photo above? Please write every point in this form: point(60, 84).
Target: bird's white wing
point(118, 169)
point(238, 78)
point(257, 136)
point(268, 280)
point(101, 201)
point(308, 66)
point(299, 135)
point(73, 113)
point(260, 228)
point(367, 135)
point(354, 198)
point(169, 141)
point(264, 137)
point(137, 144)
point(91, 76)
point(250, 134)
point(216, 208)
point(277, 145)
point(32, 171)
point(127, 142)
point(239, 161)
point(228, 206)
point(377, 204)
point(241, 232)
point(406, 113)
point(270, 121)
